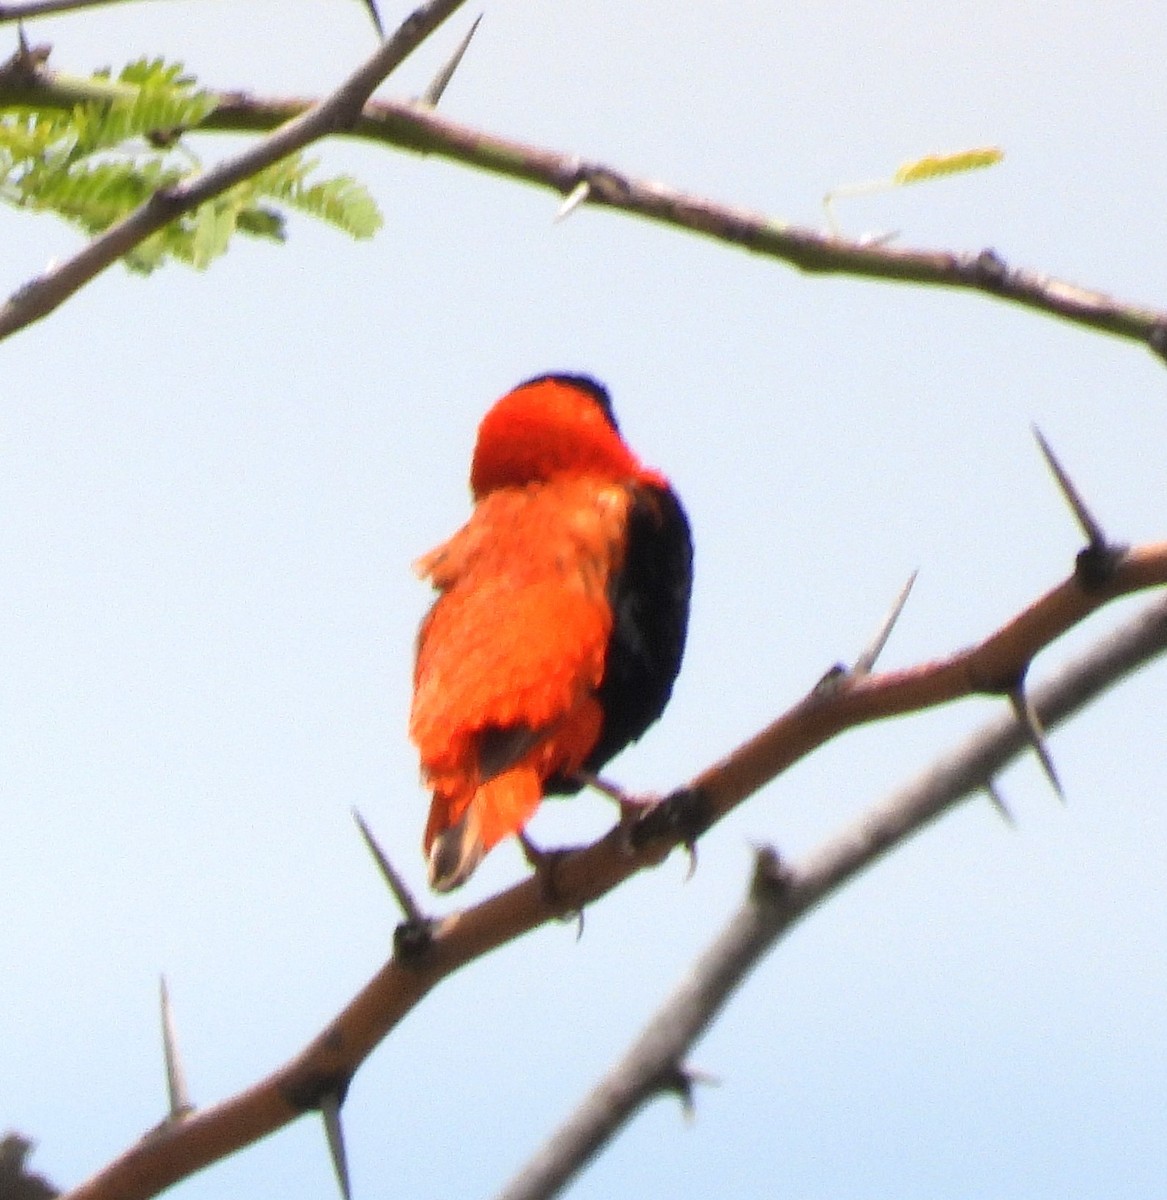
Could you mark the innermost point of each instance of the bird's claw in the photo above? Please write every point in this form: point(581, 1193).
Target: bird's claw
point(681, 817)
point(545, 863)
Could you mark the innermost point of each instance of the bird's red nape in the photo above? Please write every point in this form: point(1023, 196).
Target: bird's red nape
point(560, 623)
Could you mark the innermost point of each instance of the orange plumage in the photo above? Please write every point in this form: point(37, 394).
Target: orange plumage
point(523, 676)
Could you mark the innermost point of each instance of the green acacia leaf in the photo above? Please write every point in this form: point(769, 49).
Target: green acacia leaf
point(932, 166)
point(96, 163)
point(345, 203)
point(214, 224)
point(263, 223)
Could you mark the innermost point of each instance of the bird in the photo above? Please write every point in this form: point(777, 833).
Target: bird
point(560, 622)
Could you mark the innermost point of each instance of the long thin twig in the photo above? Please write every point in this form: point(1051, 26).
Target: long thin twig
point(780, 895)
point(327, 1064)
point(335, 114)
point(46, 8)
point(411, 126)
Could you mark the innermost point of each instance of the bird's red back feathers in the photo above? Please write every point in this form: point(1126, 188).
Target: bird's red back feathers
point(512, 656)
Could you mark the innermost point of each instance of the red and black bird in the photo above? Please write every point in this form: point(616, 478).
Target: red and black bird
point(561, 619)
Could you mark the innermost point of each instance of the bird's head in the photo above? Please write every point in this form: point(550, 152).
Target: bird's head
point(550, 427)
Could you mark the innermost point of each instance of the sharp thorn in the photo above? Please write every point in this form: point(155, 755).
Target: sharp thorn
point(21, 40)
point(1027, 715)
point(441, 80)
point(772, 877)
point(691, 851)
point(396, 884)
point(177, 1095)
point(371, 6)
point(875, 240)
point(536, 858)
point(867, 659)
point(1082, 514)
point(574, 199)
point(998, 802)
point(334, 1131)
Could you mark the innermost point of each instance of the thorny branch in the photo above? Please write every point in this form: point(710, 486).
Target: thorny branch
point(334, 114)
point(416, 127)
point(781, 894)
point(48, 8)
point(319, 1076)
point(325, 1067)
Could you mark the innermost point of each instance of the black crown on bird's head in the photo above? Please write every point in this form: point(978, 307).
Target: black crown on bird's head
point(585, 383)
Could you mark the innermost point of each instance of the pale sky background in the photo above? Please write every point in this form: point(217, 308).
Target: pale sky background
point(212, 487)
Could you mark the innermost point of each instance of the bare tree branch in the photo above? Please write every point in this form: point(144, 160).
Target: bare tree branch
point(16, 1181)
point(993, 667)
point(324, 1068)
point(334, 114)
point(47, 8)
point(318, 1077)
point(414, 126)
point(780, 895)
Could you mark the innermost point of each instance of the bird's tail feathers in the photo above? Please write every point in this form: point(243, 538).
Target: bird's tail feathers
point(455, 852)
point(500, 806)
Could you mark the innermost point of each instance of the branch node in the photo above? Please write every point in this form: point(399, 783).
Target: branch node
point(1030, 722)
point(831, 682)
point(412, 939)
point(681, 1080)
point(1094, 566)
point(25, 65)
point(167, 201)
point(176, 1091)
point(1157, 339)
point(310, 1088)
point(334, 1132)
point(605, 185)
point(866, 661)
point(990, 270)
